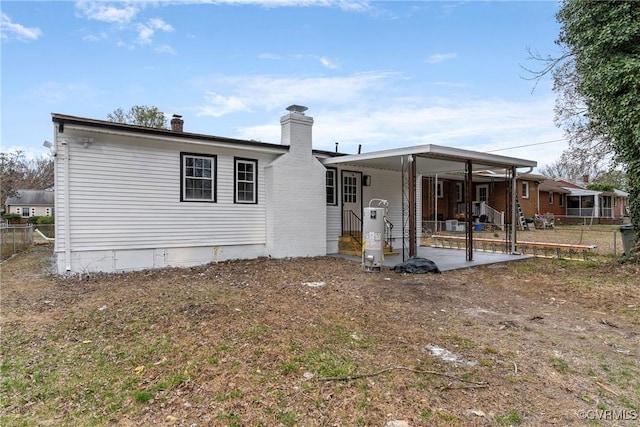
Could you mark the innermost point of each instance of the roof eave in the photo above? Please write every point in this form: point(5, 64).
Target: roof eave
point(166, 134)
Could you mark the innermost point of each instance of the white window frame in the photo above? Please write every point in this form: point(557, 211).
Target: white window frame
point(550, 197)
point(479, 189)
point(245, 184)
point(186, 176)
point(525, 189)
point(439, 189)
point(25, 210)
point(561, 200)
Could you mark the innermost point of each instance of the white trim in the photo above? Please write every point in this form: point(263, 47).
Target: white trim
point(435, 151)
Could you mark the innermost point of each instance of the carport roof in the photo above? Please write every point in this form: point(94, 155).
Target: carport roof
point(430, 159)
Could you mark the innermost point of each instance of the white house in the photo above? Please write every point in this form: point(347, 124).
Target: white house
point(130, 197)
point(29, 203)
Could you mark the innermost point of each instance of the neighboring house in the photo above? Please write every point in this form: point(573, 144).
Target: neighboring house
point(596, 206)
point(491, 194)
point(130, 197)
point(570, 202)
point(620, 204)
point(29, 203)
point(552, 198)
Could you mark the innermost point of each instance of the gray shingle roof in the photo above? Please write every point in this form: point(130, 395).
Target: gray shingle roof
point(31, 197)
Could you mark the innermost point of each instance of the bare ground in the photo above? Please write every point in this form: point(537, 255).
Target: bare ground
point(318, 342)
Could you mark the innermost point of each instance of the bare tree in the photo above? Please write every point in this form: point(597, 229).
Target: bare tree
point(19, 173)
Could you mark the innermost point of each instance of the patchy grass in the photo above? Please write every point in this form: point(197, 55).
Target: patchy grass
point(247, 343)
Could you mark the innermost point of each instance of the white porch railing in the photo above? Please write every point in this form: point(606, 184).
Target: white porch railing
point(493, 216)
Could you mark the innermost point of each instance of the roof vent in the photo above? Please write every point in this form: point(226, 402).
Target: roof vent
point(300, 109)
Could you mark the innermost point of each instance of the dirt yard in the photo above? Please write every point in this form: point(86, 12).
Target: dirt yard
point(318, 342)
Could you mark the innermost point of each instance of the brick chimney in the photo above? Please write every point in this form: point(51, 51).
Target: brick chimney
point(177, 123)
point(296, 131)
point(585, 179)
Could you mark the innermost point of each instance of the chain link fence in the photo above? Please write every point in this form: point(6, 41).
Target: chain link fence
point(15, 238)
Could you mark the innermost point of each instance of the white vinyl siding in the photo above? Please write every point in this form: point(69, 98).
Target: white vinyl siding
point(127, 196)
point(388, 186)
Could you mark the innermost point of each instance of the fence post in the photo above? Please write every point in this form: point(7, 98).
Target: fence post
point(615, 244)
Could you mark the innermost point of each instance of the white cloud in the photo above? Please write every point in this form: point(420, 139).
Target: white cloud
point(105, 12)
point(166, 49)
point(146, 31)
point(440, 57)
point(348, 5)
point(159, 24)
point(269, 56)
point(123, 17)
point(270, 92)
point(12, 30)
point(95, 37)
point(328, 63)
point(358, 110)
point(218, 105)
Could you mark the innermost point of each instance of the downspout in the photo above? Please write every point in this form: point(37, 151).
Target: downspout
point(67, 209)
point(48, 239)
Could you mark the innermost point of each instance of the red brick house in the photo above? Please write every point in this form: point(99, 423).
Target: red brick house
point(443, 199)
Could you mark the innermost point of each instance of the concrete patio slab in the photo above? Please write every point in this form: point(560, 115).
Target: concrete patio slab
point(451, 259)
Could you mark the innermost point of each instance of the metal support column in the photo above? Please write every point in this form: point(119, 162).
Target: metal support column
point(514, 195)
point(469, 197)
point(409, 248)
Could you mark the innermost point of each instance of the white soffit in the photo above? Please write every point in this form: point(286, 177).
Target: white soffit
point(430, 159)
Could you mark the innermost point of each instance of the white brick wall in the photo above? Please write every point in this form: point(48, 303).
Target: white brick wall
point(296, 195)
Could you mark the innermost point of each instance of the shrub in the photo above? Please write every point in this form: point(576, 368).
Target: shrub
point(12, 218)
point(46, 220)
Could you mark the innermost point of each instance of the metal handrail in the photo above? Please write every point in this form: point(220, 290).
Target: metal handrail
point(388, 233)
point(352, 225)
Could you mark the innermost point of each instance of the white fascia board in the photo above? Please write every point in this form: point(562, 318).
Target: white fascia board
point(434, 151)
point(581, 192)
point(181, 139)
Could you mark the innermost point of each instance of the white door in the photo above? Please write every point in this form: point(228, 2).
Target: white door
point(351, 192)
point(482, 193)
point(351, 201)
